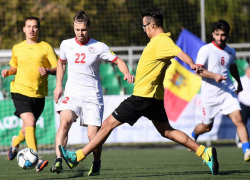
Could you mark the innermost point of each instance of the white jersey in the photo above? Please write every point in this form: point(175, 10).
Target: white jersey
point(83, 68)
point(216, 60)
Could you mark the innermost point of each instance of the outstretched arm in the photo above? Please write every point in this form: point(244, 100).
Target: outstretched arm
point(124, 69)
point(207, 74)
point(187, 59)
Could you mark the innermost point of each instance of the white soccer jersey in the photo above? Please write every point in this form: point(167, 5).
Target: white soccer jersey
point(83, 68)
point(216, 60)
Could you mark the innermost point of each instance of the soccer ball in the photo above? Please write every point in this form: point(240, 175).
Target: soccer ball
point(27, 158)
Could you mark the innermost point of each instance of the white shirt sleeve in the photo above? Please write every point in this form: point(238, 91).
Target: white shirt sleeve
point(107, 54)
point(202, 56)
point(62, 52)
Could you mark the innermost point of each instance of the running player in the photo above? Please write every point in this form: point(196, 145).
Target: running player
point(83, 97)
point(220, 95)
point(32, 61)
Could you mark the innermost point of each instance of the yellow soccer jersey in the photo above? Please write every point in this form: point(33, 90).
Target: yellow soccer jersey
point(27, 58)
point(152, 66)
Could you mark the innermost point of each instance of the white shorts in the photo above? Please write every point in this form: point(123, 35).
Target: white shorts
point(226, 103)
point(89, 113)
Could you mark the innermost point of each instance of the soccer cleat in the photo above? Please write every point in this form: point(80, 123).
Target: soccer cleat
point(57, 167)
point(247, 155)
point(95, 168)
point(41, 164)
point(13, 150)
point(69, 157)
point(211, 160)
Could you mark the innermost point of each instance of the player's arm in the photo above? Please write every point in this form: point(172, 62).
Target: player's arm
point(187, 59)
point(124, 69)
point(61, 65)
point(44, 71)
point(8, 72)
point(207, 74)
point(235, 73)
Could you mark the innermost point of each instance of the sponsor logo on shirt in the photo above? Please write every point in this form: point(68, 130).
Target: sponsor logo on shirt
point(91, 49)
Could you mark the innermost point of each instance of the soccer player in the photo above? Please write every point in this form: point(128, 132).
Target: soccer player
point(220, 95)
point(244, 97)
point(147, 98)
point(31, 63)
point(83, 97)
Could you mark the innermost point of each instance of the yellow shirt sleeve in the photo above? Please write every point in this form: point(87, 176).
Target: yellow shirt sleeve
point(52, 57)
point(166, 48)
point(13, 60)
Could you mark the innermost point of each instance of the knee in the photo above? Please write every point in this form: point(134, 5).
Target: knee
point(65, 123)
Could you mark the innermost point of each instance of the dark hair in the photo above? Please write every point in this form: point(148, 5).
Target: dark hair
point(82, 17)
point(153, 14)
point(221, 25)
point(32, 18)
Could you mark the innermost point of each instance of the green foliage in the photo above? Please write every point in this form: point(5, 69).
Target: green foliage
point(118, 22)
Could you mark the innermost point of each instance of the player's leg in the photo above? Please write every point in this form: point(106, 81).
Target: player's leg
point(242, 132)
point(96, 164)
point(16, 141)
point(209, 155)
point(73, 158)
point(128, 111)
point(157, 114)
point(67, 117)
point(201, 129)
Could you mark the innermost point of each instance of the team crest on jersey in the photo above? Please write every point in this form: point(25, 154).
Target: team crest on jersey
point(91, 49)
point(111, 52)
point(178, 79)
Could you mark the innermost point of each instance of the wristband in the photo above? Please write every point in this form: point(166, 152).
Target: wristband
point(47, 71)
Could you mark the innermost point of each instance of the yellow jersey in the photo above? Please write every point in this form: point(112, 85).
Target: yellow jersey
point(152, 66)
point(27, 58)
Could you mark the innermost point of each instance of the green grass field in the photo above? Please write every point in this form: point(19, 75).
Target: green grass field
point(155, 163)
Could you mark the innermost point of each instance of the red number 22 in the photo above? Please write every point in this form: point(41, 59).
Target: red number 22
point(78, 56)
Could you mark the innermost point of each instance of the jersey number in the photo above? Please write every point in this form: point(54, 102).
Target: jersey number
point(65, 100)
point(78, 57)
point(222, 61)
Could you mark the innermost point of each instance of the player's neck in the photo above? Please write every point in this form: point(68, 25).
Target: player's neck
point(157, 32)
point(31, 41)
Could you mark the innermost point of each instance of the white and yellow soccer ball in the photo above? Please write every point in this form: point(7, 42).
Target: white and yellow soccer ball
point(27, 158)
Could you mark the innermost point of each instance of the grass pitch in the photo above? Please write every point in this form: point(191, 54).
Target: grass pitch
point(136, 164)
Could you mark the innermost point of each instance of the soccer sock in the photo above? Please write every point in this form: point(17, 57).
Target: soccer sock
point(30, 137)
point(20, 138)
point(80, 156)
point(194, 136)
point(245, 146)
point(201, 151)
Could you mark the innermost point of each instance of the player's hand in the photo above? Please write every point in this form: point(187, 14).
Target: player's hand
point(239, 89)
point(4, 73)
point(129, 78)
point(219, 78)
point(58, 93)
point(198, 69)
point(42, 71)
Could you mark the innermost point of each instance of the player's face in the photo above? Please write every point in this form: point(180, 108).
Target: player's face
point(81, 32)
point(146, 27)
point(220, 37)
point(31, 29)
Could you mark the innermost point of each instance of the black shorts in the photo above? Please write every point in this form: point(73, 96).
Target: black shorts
point(28, 104)
point(131, 109)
